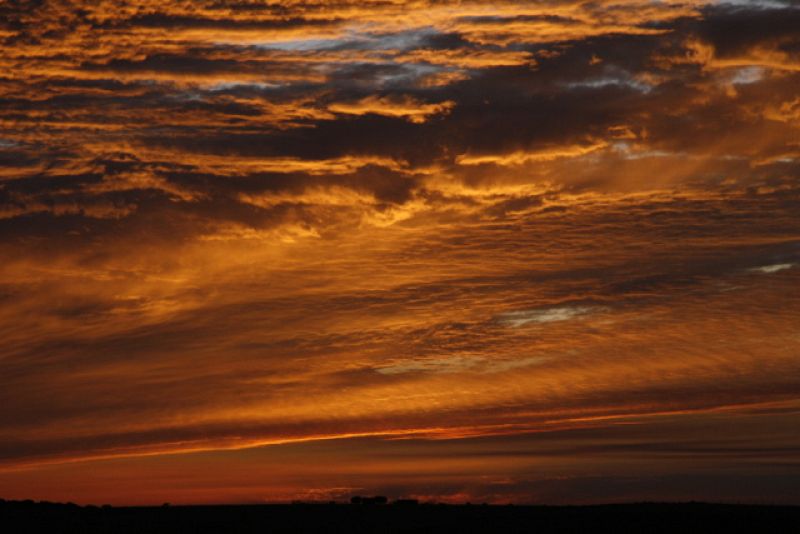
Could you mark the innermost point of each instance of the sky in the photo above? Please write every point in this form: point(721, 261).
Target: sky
point(531, 252)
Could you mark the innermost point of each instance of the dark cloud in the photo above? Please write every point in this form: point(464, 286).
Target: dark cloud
point(735, 30)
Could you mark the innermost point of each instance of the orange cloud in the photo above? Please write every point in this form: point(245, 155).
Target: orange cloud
point(405, 107)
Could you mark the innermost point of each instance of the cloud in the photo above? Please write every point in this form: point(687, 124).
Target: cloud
point(521, 158)
point(769, 269)
point(548, 315)
point(405, 107)
point(231, 224)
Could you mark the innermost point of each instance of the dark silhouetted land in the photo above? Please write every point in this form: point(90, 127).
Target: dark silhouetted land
point(407, 516)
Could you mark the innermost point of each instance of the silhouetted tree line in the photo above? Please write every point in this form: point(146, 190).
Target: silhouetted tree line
point(377, 514)
point(380, 499)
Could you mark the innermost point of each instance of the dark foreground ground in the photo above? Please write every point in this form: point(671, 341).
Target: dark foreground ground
point(22, 517)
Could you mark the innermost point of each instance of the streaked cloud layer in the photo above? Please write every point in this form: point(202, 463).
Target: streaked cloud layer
point(529, 251)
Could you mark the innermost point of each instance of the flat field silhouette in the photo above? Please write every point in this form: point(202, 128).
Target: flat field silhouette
point(404, 516)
